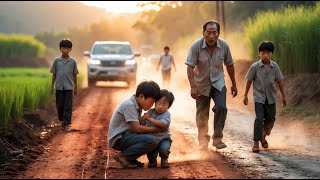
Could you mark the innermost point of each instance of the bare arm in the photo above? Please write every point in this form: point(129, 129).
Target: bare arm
point(284, 101)
point(234, 90)
point(245, 98)
point(53, 79)
point(137, 128)
point(174, 65)
point(75, 84)
point(153, 121)
point(194, 88)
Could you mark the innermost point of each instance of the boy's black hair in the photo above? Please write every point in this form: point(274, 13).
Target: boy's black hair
point(266, 46)
point(148, 89)
point(168, 95)
point(65, 43)
point(204, 27)
point(166, 47)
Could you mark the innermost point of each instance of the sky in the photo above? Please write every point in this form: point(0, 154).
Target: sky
point(115, 6)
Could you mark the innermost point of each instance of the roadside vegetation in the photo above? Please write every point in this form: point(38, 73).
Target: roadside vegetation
point(295, 33)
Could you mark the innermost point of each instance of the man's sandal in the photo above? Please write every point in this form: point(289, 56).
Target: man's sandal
point(123, 163)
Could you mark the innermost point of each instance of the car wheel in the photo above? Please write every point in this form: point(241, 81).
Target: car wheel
point(91, 82)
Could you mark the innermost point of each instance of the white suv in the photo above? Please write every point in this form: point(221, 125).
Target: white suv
point(112, 61)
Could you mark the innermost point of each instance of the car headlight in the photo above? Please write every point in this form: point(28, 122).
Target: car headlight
point(130, 62)
point(94, 62)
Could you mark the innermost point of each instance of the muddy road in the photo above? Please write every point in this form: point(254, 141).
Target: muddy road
point(83, 152)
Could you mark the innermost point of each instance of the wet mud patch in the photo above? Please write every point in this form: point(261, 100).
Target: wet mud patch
point(24, 141)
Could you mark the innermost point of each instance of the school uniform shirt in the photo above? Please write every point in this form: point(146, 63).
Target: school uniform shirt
point(208, 70)
point(64, 71)
point(127, 111)
point(264, 80)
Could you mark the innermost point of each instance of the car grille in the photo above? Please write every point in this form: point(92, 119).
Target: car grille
point(112, 63)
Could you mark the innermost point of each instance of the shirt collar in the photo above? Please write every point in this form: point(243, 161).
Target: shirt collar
point(260, 63)
point(61, 59)
point(134, 100)
point(204, 44)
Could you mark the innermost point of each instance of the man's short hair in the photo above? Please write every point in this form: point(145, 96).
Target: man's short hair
point(204, 27)
point(148, 89)
point(65, 43)
point(168, 95)
point(266, 46)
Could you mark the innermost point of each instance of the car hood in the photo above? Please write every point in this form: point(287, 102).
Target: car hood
point(112, 57)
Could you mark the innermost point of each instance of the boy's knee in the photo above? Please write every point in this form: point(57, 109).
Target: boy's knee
point(150, 141)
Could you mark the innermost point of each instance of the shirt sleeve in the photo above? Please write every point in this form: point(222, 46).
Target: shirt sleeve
point(192, 56)
point(228, 61)
point(279, 75)
point(251, 73)
point(53, 69)
point(130, 113)
point(166, 119)
point(75, 68)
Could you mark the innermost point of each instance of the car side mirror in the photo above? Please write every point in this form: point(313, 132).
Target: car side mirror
point(137, 54)
point(86, 53)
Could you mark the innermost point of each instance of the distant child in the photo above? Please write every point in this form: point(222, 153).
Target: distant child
point(160, 117)
point(265, 74)
point(125, 132)
point(64, 73)
point(165, 60)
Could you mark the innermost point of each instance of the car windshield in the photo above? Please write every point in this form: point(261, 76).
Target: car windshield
point(112, 49)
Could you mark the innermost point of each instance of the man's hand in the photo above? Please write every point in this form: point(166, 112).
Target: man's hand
point(52, 90)
point(194, 92)
point(234, 90)
point(146, 116)
point(245, 100)
point(75, 92)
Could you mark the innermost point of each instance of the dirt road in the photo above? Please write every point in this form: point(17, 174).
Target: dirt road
point(83, 152)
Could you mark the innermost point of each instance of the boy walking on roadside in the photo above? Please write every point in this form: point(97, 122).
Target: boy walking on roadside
point(160, 117)
point(165, 60)
point(125, 132)
point(264, 74)
point(64, 73)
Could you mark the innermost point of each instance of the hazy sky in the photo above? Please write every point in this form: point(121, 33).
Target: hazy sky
point(115, 6)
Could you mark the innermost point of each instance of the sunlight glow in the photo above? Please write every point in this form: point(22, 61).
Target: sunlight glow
point(115, 6)
point(131, 6)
